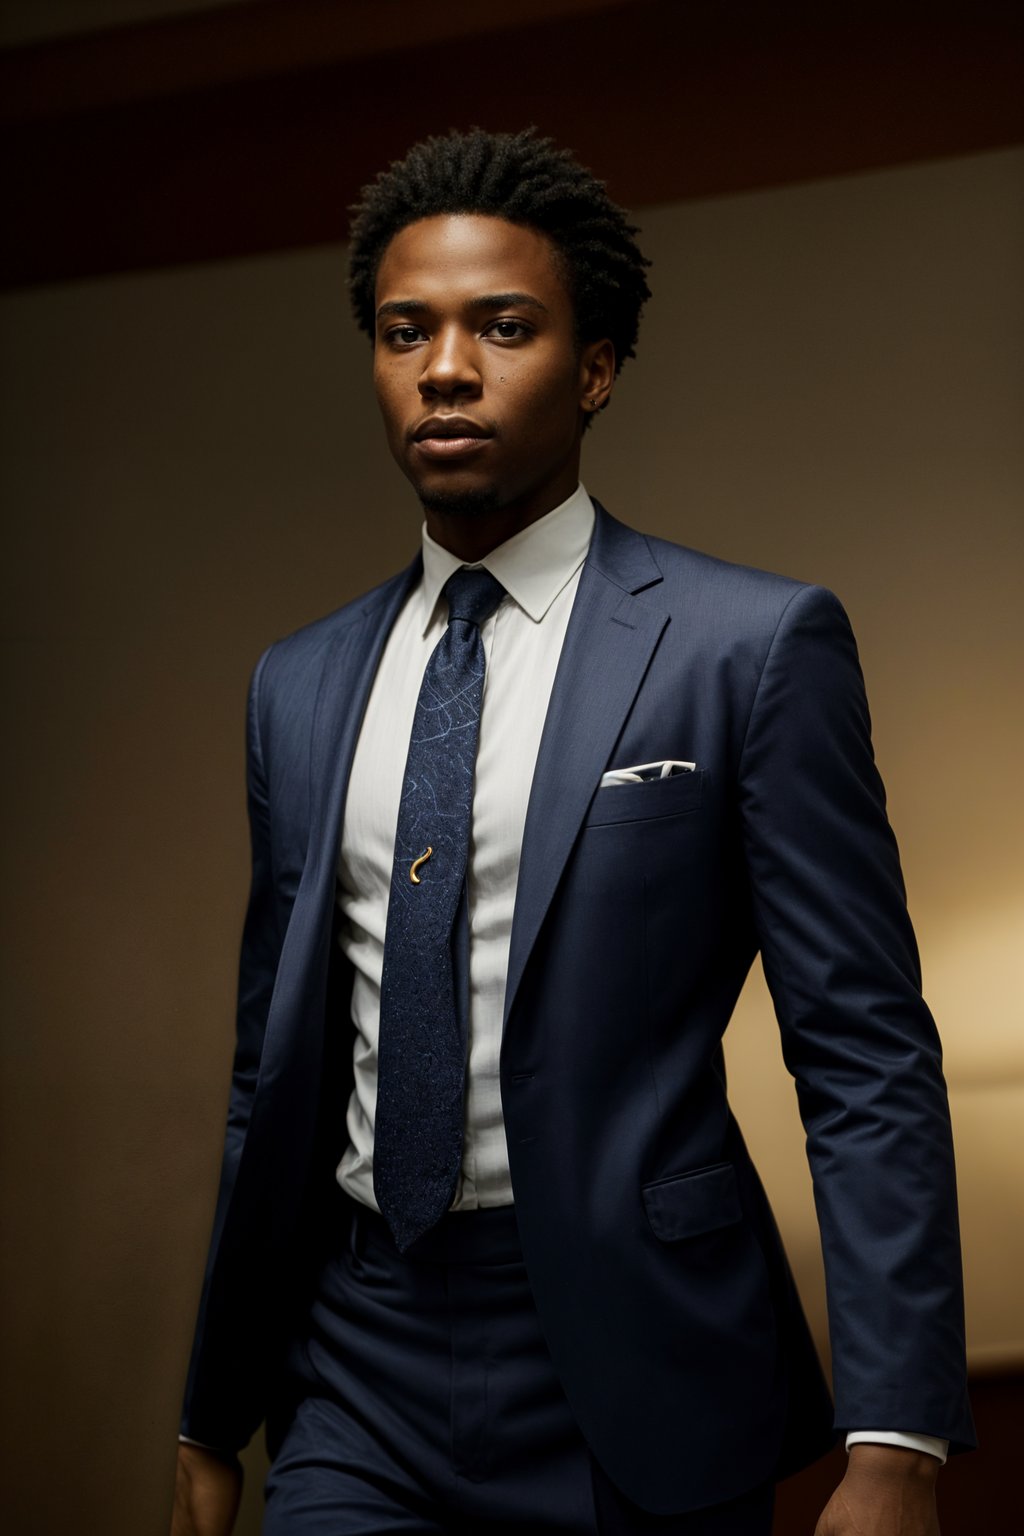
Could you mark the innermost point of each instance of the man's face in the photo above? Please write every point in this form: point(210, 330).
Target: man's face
point(480, 381)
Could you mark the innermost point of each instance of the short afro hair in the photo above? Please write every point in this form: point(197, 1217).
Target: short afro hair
point(526, 179)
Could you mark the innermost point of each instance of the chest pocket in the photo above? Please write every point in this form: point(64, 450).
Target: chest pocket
point(675, 796)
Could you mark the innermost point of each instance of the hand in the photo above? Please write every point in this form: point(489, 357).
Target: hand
point(207, 1493)
point(887, 1491)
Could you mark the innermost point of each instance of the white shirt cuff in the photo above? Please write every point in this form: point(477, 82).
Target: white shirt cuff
point(215, 1450)
point(930, 1444)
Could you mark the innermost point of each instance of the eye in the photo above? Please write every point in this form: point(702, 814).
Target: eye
point(403, 335)
point(508, 330)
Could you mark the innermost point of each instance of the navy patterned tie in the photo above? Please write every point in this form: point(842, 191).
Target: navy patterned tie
point(421, 1054)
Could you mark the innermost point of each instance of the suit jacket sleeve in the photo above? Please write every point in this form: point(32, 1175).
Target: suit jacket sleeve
point(841, 963)
point(204, 1419)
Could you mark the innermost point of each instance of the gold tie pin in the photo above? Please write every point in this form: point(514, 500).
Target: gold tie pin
point(414, 866)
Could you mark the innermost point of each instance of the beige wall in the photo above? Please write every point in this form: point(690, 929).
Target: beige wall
point(829, 385)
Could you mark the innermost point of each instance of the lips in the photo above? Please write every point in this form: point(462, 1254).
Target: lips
point(450, 437)
point(445, 428)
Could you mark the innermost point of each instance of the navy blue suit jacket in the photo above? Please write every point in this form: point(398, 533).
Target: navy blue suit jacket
point(653, 1257)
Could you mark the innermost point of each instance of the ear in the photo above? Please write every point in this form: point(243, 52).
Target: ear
point(597, 376)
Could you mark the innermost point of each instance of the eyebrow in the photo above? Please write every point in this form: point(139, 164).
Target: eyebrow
point(485, 301)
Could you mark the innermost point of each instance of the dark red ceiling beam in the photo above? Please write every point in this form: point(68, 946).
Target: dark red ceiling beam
point(667, 100)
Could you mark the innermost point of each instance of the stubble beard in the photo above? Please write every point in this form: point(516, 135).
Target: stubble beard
point(462, 503)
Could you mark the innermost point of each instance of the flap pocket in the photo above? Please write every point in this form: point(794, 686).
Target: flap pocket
point(690, 1203)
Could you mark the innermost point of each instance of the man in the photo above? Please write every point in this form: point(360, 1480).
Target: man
point(489, 1252)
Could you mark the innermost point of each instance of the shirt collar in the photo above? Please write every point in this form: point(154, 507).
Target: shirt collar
point(533, 566)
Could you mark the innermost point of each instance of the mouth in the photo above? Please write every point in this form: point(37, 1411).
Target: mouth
point(450, 437)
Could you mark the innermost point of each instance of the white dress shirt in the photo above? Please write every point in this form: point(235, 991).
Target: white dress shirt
point(539, 569)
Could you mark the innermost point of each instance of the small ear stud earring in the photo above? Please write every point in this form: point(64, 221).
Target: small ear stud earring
point(593, 401)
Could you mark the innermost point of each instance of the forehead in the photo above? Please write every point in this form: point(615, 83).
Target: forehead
point(467, 254)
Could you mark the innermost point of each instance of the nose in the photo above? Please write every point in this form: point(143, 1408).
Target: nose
point(450, 366)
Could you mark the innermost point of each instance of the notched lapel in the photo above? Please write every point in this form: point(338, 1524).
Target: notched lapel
point(349, 666)
point(349, 669)
point(608, 647)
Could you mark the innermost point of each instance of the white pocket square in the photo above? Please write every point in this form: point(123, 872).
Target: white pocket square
point(646, 773)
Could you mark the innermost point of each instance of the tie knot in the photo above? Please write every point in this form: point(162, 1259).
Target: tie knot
point(472, 595)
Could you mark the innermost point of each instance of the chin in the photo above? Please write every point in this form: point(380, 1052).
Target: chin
point(464, 503)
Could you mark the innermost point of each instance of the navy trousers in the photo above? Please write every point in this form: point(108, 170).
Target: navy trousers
point(424, 1401)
